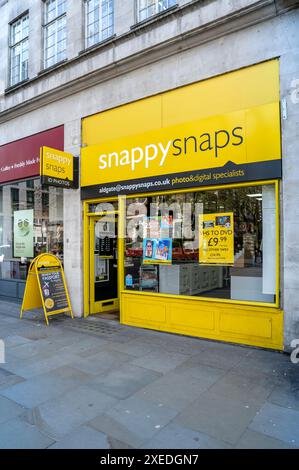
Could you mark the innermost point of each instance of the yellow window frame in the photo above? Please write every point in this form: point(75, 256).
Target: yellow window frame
point(121, 245)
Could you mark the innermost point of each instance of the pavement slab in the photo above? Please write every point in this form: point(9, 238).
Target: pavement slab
point(134, 420)
point(83, 438)
point(62, 415)
point(221, 417)
point(278, 422)
point(17, 434)
point(92, 383)
point(256, 440)
point(9, 409)
point(37, 390)
point(160, 361)
point(102, 362)
point(123, 382)
point(173, 436)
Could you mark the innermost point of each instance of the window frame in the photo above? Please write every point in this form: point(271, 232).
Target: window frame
point(122, 214)
point(157, 12)
point(101, 39)
point(45, 25)
point(14, 45)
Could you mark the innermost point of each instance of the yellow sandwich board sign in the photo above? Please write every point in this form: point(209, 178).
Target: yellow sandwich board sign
point(46, 287)
point(216, 238)
point(58, 168)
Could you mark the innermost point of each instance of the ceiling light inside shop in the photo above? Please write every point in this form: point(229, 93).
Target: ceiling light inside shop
point(254, 195)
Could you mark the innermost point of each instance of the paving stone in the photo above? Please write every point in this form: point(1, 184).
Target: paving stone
point(176, 390)
point(37, 390)
point(286, 395)
point(116, 431)
point(33, 366)
point(278, 422)
point(135, 347)
point(257, 440)
point(135, 420)
point(173, 436)
point(16, 340)
point(75, 376)
point(140, 388)
point(242, 389)
point(200, 371)
point(209, 344)
point(101, 362)
point(223, 418)
point(63, 337)
point(9, 410)
point(89, 346)
point(9, 380)
point(219, 358)
point(160, 361)
point(62, 415)
point(83, 438)
point(40, 349)
point(125, 381)
point(17, 434)
point(278, 367)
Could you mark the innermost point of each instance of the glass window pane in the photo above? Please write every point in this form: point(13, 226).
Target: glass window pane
point(47, 230)
point(148, 8)
point(215, 243)
point(99, 21)
point(55, 41)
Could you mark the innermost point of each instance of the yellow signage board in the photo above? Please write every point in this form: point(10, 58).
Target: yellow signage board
point(216, 238)
point(46, 287)
point(222, 130)
point(57, 168)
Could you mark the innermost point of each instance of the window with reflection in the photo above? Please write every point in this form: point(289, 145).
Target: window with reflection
point(99, 17)
point(214, 243)
point(148, 8)
point(31, 222)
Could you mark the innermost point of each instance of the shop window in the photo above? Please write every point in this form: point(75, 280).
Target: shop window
point(148, 8)
point(54, 32)
point(219, 244)
point(98, 21)
point(31, 222)
point(19, 44)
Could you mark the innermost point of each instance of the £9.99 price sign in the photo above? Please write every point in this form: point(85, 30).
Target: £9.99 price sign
point(216, 238)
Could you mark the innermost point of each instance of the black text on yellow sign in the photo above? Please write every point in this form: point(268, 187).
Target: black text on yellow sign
point(216, 238)
point(46, 287)
point(58, 168)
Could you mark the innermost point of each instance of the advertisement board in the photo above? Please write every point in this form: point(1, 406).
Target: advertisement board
point(157, 250)
point(216, 238)
point(233, 136)
point(57, 168)
point(23, 234)
point(21, 159)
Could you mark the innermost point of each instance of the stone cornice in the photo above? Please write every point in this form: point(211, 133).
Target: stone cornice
point(253, 14)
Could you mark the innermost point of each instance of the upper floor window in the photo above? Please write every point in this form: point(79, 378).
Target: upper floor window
point(148, 8)
point(19, 42)
point(54, 32)
point(98, 21)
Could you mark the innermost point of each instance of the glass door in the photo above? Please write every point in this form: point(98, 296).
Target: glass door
point(103, 264)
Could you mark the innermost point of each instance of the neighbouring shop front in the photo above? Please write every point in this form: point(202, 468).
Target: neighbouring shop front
point(31, 215)
point(181, 209)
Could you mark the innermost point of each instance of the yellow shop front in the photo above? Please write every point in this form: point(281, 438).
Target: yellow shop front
point(181, 209)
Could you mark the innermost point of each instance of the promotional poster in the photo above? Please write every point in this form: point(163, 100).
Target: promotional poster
point(23, 234)
point(216, 238)
point(157, 250)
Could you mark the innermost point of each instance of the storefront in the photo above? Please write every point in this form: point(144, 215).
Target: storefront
point(181, 209)
point(31, 215)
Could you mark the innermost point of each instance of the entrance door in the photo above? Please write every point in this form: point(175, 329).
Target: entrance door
point(103, 264)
